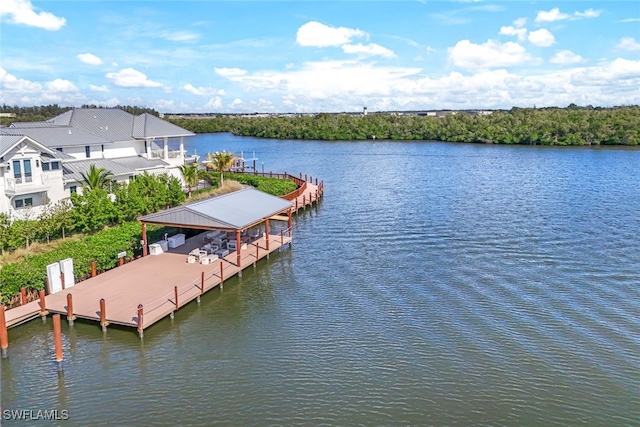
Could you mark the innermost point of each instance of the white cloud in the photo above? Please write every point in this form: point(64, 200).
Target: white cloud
point(236, 103)
point(542, 37)
point(430, 49)
point(99, 88)
point(630, 20)
point(89, 58)
point(178, 36)
point(628, 43)
point(10, 83)
point(565, 57)
point(214, 103)
point(589, 13)
point(555, 15)
point(520, 22)
point(551, 16)
point(491, 54)
point(315, 34)
point(128, 77)
point(60, 85)
point(202, 90)
point(23, 12)
point(230, 72)
point(521, 33)
point(371, 49)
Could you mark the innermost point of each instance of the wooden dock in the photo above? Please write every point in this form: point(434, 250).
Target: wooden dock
point(161, 284)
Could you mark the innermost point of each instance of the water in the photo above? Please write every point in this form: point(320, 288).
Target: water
point(435, 284)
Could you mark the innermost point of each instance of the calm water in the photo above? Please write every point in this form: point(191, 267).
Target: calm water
point(435, 284)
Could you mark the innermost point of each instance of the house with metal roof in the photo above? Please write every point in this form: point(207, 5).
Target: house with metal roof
point(43, 162)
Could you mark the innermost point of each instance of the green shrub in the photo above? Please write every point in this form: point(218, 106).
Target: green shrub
point(274, 186)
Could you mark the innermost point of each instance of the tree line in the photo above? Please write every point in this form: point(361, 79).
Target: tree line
point(533, 126)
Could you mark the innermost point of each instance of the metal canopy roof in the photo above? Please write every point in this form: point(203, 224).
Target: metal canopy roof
point(238, 210)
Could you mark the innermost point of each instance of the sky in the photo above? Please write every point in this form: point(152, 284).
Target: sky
point(319, 56)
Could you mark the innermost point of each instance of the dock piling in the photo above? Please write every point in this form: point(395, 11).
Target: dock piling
point(57, 337)
point(23, 296)
point(43, 307)
point(4, 337)
point(175, 291)
point(140, 327)
point(103, 315)
point(93, 269)
point(70, 316)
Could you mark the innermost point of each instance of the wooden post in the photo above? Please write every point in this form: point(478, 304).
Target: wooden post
point(300, 176)
point(93, 269)
point(316, 181)
point(62, 280)
point(281, 237)
point(43, 308)
point(238, 249)
point(304, 200)
point(257, 248)
point(296, 204)
point(316, 194)
point(175, 289)
point(57, 338)
point(202, 284)
point(70, 315)
point(23, 296)
point(266, 233)
point(221, 273)
point(120, 262)
point(140, 327)
point(103, 315)
point(4, 337)
point(144, 239)
point(289, 220)
point(305, 178)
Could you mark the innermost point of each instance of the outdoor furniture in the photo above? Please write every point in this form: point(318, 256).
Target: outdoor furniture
point(209, 248)
point(191, 259)
point(222, 252)
point(208, 259)
point(198, 253)
point(175, 241)
point(209, 237)
point(155, 249)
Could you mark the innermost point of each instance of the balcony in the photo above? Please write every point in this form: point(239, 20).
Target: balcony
point(171, 154)
point(25, 185)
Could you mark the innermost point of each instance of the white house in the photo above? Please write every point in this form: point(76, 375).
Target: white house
point(43, 162)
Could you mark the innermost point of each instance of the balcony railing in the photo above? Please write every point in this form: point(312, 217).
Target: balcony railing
point(171, 154)
point(26, 183)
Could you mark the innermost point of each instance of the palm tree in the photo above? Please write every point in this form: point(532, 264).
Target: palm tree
point(190, 174)
point(96, 178)
point(220, 161)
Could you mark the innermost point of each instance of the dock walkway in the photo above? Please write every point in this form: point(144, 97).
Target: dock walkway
point(152, 280)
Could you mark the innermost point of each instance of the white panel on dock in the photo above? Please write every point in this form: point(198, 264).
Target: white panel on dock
point(66, 265)
point(53, 274)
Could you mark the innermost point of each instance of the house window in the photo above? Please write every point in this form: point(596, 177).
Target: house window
point(73, 189)
point(87, 151)
point(23, 203)
point(55, 166)
point(46, 166)
point(22, 171)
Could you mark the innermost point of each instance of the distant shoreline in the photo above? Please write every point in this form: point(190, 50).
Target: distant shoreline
point(550, 126)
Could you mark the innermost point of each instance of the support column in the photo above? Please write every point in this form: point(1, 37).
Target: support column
point(182, 147)
point(266, 232)
point(144, 239)
point(289, 221)
point(238, 248)
point(165, 148)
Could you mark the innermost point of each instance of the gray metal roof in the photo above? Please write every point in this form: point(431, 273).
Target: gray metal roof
point(147, 125)
point(140, 163)
point(238, 210)
point(58, 136)
point(73, 170)
point(7, 142)
point(117, 167)
point(95, 126)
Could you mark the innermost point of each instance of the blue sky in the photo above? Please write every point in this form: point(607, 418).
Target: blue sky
point(304, 56)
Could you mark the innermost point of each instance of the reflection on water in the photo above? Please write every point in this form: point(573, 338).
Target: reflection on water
point(435, 284)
